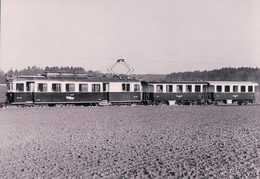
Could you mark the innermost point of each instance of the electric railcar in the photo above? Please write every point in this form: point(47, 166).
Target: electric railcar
point(71, 89)
point(52, 89)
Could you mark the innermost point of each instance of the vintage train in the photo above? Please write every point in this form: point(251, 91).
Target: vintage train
point(78, 89)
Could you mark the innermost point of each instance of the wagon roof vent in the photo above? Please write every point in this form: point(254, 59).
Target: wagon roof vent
point(58, 74)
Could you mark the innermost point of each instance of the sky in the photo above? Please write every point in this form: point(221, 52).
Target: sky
point(153, 36)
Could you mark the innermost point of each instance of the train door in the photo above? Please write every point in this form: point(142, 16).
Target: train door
point(210, 91)
point(106, 91)
point(30, 92)
point(151, 92)
point(205, 92)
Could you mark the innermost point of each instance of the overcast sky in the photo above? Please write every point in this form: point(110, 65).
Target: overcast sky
point(154, 36)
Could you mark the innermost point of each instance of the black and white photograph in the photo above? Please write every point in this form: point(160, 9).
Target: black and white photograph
point(130, 89)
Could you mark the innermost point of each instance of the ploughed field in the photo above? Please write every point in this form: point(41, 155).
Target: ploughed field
point(130, 142)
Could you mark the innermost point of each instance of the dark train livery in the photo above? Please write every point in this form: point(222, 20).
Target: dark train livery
point(52, 89)
point(203, 92)
point(175, 92)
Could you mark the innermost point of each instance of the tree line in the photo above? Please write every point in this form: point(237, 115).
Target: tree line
point(223, 74)
point(37, 70)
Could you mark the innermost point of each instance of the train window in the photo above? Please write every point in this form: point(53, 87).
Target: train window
point(42, 87)
point(179, 88)
point(159, 88)
point(169, 88)
point(151, 88)
point(105, 87)
point(250, 88)
point(219, 88)
point(125, 87)
point(204, 88)
point(211, 88)
point(29, 86)
point(188, 88)
point(19, 87)
point(227, 88)
point(10, 86)
point(70, 87)
point(197, 88)
point(83, 87)
point(56, 87)
point(95, 87)
point(243, 88)
point(235, 88)
point(136, 87)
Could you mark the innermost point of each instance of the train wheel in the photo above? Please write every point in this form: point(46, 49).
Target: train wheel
point(246, 103)
point(51, 105)
point(216, 103)
point(239, 102)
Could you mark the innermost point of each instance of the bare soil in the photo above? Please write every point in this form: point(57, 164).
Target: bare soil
point(130, 142)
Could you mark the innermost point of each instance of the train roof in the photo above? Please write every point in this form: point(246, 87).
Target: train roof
point(85, 78)
point(178, 82)
point(73, 78)
point(207, 82)
point(232, 83)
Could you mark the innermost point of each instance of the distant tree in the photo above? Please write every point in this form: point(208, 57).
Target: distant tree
point(10, 72)
point(2, 77)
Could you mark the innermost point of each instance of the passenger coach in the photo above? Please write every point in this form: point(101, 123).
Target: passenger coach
point(175, 92)
point(229, 92)
point(54, 89)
